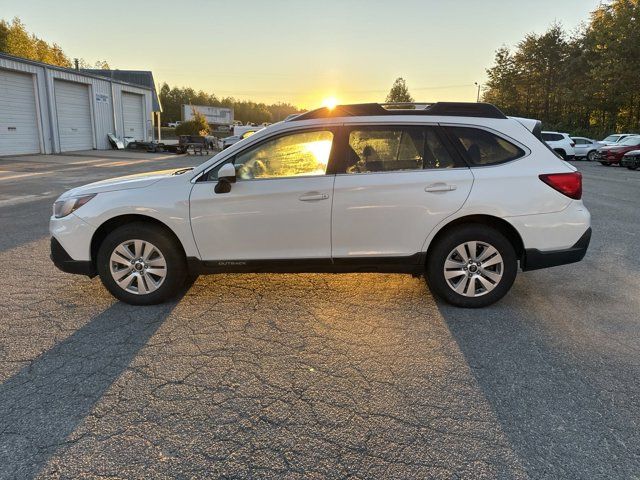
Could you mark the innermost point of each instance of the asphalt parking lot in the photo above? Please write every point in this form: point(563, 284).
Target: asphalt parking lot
point(315, 376)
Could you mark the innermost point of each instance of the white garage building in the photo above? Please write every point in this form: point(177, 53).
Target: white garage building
point(48, 109)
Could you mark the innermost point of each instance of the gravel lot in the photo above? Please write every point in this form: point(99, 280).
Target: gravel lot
point(315, 376)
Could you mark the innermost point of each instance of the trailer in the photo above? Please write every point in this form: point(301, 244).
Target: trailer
point(214, 115)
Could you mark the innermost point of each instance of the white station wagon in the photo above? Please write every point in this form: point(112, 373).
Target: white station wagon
point(457, 192)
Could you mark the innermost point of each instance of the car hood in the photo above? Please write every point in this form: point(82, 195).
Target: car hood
point(633, 153)
point(139, 180)
point(612, 148)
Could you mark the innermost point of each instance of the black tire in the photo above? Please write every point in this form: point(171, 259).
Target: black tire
point(562, 153)
point(165, 242)
point(591, 156)
point(440, 251)
point(606, 164)
point(632, 168)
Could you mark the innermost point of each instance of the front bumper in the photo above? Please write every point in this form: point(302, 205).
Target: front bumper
point(64, 262)
point(631, 162)
point(600, 157)
point(533, 259)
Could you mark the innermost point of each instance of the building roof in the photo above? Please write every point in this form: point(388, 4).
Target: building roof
point(143, 78)
point(88, 72)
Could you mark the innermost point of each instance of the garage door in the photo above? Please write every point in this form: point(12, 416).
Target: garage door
point(133, 116)
point(18, 119)
point(74, 116)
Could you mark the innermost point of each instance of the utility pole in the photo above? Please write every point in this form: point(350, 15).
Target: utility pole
point(478, 97)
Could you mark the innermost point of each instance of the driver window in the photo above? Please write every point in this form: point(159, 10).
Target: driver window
point(298, 154)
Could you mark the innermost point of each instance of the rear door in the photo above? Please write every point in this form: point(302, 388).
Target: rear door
point(581, 146)
point(395, 185)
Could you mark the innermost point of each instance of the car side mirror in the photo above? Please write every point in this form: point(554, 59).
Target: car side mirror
point(226, 176)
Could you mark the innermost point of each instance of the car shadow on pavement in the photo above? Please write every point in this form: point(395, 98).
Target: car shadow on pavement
point(550, 398)
point(43, 403)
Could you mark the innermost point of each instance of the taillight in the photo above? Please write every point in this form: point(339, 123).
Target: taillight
point(569, 184)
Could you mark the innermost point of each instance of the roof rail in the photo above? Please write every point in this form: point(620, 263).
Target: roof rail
point(449, 109)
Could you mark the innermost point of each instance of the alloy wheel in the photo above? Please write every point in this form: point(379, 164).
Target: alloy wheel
point(138, 266)
point(473, 268)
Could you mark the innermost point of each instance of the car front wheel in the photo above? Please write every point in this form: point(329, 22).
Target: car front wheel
point(141, 264)
point(471, 266)
point(591, 156)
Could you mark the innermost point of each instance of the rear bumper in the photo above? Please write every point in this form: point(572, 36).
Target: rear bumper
point(533, 259)
point(64, 262)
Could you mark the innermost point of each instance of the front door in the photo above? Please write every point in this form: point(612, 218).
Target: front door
point(397, 184)
point(279, 208)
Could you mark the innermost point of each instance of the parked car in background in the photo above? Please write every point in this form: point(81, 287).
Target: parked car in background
point(586, 147)
point(616, 138)
point(560, 143)
point(612, 154)
point(631, 160)
point(457, 192)
point(228, 141)
point(174, 124)
point(241, 130)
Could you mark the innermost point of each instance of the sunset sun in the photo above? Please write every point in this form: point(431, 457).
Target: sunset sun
point(330, 102)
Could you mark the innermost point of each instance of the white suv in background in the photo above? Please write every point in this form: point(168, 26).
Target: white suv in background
point(560, 143)
point(457, 192)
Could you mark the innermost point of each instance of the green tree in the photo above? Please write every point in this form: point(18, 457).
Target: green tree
point(172, 100)
point(586, 83)
point(196, 126)
point(399, 92)
point(16, 40)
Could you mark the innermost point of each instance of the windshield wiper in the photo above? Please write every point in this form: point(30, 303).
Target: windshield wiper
point(182, 170)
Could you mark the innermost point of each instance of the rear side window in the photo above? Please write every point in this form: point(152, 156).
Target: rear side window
point(395, 148)
point(385, 149)
point(483, 147)
point(551, 137)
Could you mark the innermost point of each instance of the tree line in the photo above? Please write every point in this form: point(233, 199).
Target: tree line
point(17, 41)
point(172, 100)
point(585, 83)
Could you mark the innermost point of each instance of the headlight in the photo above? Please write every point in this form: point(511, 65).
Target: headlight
point(62, 208)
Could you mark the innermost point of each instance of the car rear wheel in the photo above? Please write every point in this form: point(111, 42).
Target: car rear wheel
point(471, 266)
point(141, 264)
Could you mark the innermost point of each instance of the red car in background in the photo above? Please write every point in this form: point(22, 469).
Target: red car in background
point(612, 154)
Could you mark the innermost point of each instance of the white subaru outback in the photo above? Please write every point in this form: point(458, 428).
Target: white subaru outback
point(458, 192)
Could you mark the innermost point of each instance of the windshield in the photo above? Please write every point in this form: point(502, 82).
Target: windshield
point(630, 141)
point(612, 138)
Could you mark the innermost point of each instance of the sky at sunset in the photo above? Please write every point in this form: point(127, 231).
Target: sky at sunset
point(298, 51)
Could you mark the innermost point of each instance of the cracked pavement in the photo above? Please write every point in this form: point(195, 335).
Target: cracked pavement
point(317, 376)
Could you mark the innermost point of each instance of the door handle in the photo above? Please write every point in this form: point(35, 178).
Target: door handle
point(313, 196)
point(440, 187)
